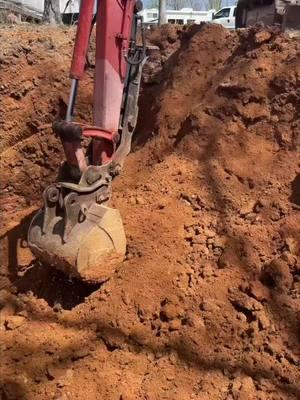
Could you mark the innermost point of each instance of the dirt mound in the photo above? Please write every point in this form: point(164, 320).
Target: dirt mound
point(206, 304)
point(34, 90)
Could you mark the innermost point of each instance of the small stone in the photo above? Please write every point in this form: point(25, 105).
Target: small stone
point(195, 321)
point(209, 233)
point(220, 241)
point(57, 307)
point(170, 378)
point(125, 396)
point(251, 217)
point(69, 373)
point(262, 36)
point(263, 320)
point(273, 348)
point(223, 261)
point(209, 305)
point(247, 390)
point(289, 258)
point(259, 291)
point(175, 325)
point(14, 322)
point(241, 317)
point(217, 251)
point(235, 388)
point(243, 301)
point(150, 357)
point(206, 251)
point(139, 200)
point(199, 239)
point(189, 236)
point(23, 313)
point(206, 271)
point(171, 311)
point(247, 209)
point(293, 245)
point(54, 372)
point(81, 353)
point(259, 205)
point(229, 397)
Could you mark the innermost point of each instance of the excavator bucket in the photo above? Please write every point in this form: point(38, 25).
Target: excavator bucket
point(91, 250)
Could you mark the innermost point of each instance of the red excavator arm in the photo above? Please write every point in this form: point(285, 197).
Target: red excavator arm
point(76, 231)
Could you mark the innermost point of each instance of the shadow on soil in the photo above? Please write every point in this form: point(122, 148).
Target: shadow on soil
point(116, 340)
point(295, 196)
point(42, 280)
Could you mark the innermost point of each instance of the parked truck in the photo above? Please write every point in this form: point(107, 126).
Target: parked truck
point(225, 17)
point(283, 13)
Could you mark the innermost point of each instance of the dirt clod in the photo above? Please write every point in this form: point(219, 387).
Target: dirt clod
point(14, 322)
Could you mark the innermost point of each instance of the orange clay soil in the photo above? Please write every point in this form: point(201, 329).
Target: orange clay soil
point(206, 304)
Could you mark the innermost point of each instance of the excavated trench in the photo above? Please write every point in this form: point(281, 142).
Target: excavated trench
point(206, 303)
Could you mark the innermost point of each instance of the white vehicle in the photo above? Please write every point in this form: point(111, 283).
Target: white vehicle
point(225, 17)
point(181, 17)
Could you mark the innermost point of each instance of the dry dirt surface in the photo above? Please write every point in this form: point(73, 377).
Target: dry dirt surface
point(206, 304)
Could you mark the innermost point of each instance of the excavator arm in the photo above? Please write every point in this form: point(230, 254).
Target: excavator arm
point(76, 231)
